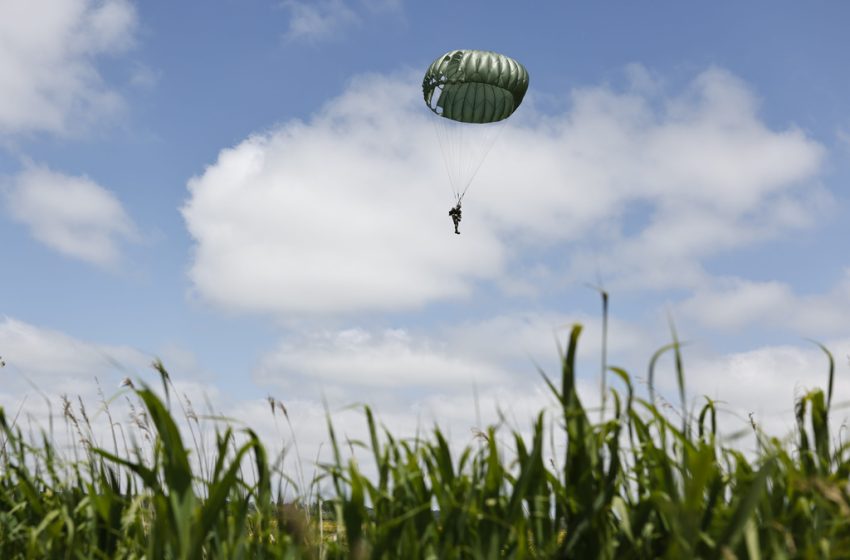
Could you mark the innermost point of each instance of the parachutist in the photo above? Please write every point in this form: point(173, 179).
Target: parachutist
point(455, 215)
point(470, 92)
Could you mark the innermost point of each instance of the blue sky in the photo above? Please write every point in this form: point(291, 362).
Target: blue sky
point(252, 191)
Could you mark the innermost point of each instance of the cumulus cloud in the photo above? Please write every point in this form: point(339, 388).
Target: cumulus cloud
point(47, 61)
point(144, 76)
point(695, 174)
point(72, 215)
point(409, 366)
point(461, 377)
point(704, 148)
point(843, 137)
point(386, 359)
point(346, 212)
point(330, 216)
point(519, 338)
point(58, 363)
point(764, 382)
point(320, 20)
point(733, 303)
point(50, 375)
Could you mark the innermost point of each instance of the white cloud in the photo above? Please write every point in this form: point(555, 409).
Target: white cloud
point(329, 217)
point(47, 61)
point(45, 366)
point(378, 6)
point(318, 20)
point(706, 173)
point(732, 303)
point(321, 20)
point(59, 363)
point(404, 367)
point(765, 382)
point(519, 338)
point(389, 359)
point(347, 212)
point(705, 147)
point(667, 252)
point(412, 381)
point(144, 76)
point(72, 215)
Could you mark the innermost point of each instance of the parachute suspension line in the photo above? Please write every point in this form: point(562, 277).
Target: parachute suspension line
point(489, 141)
point(464, 148)
point(447, 148)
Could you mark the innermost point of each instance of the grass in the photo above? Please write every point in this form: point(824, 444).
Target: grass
point(644, 481)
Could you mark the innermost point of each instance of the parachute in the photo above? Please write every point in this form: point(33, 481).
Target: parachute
point(472, 93)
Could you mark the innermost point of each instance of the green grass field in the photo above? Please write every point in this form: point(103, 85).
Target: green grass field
point(647, 481)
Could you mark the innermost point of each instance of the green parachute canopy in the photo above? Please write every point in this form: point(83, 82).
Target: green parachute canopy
point(474, 86)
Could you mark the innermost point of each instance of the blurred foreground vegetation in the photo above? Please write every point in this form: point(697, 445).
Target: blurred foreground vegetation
point(647, 481)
